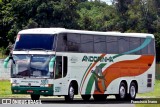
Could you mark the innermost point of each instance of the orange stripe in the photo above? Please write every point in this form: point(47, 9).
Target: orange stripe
point(125, 68)
point(91, 68)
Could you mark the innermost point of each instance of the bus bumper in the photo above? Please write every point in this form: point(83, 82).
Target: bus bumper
point(46, 91)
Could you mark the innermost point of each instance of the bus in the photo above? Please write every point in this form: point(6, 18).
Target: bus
point(67, 62)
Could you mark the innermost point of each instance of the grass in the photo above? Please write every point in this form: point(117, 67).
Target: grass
point(155, 93)
point(2, 56)
point(5, 90)
point(147, 105)
point(158, 71)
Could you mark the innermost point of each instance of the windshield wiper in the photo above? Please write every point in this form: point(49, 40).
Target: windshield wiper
point(35, 75)
point(16, 76)
point(20, 49)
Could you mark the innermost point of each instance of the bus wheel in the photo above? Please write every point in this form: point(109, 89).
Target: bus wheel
point(132, 91)
point(35, 97)
point(70, 95)
point(122, 91)
point(86, 97)
point(100, 97)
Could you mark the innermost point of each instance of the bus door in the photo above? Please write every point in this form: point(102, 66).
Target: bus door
point(60, 72)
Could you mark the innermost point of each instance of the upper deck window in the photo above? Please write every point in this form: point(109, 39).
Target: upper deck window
point(34, 42)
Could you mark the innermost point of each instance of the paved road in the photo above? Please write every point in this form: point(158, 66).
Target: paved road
point(59, 102)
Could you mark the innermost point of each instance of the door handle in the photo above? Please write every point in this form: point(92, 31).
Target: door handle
point(60, 83)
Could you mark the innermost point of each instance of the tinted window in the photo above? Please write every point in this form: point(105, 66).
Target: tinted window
point(145, 49)
point(134, 43)
point(149, 49)
point(73, 42)
point(86, 43)
point(123, 44)
point(111, 43)
point(62, 43)
point(65, 64)
point(100, 44)
point(34, 41)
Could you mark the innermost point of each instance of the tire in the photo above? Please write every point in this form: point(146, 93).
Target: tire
point(35, 97)
point(122, 92)
point(86, 97)
point(100, 97)
point(132, 91)
point(70, 95)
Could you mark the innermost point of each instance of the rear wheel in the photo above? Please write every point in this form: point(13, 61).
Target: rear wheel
point(86, 97)
point(70, 95)
point(100, 97)
point(122, 91)
point(35, 97)
point(132, 91)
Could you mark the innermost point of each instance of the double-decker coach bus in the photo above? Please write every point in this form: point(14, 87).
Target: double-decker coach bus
point(65, 62)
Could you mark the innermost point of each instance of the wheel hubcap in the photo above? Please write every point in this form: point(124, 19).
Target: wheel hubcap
point(71, 92)
point(122, 92)
point(132, 91)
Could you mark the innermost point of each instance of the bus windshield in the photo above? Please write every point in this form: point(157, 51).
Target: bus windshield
point(34, 42)
point(31, 66)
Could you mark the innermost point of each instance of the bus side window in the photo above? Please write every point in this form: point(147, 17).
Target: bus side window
point(145, 49)
point(100, 44)
point(58, 70)
point(65, 64)
point(123, 44)
point(62, 43)
point(151, 46)
point(133, 44)
point(112, 43)
point(86, 44)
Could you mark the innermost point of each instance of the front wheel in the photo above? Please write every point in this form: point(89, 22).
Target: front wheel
point(35, 97)
point(70, 95)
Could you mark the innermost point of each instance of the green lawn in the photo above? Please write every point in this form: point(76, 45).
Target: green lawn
point(5, 90)
point(155, 93)
point(147, 105)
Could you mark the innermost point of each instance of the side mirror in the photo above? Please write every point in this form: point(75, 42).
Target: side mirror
point(6, 61)
point(51, 64)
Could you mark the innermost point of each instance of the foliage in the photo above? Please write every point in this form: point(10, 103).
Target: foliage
point(142, 16)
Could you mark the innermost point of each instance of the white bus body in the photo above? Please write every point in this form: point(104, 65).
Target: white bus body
point(83, 62)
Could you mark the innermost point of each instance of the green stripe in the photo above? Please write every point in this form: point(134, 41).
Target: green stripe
point(90, 84)
point(102, 65)
point(91, 81)
point(85, 73)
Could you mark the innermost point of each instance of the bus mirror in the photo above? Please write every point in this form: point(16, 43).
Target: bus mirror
point(51, 64)
point(6, 61)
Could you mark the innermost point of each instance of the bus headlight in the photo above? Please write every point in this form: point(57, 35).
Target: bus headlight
point(47, 85)
point(15, 84)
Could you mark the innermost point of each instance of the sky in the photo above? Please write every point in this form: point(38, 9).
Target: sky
point(107, 1)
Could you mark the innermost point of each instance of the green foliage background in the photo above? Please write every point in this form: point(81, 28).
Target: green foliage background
point(142, 16)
